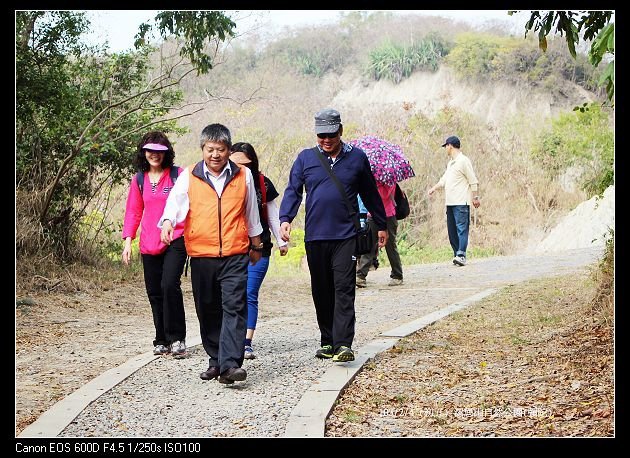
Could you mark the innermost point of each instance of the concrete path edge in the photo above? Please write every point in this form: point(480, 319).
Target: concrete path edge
point(308, 418)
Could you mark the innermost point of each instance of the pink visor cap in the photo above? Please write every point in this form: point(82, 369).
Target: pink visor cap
point(155, 147)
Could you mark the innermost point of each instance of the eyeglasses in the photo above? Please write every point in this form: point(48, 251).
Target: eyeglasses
point(332, 135)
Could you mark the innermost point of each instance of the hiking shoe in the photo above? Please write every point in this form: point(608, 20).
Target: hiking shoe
point(343, 355)
point(233, 374)
point(361, 282)
point(395, 282)
point(178, 349)
point(249, 352)
point(325, 352)
point(459, 260)
point(160, 350)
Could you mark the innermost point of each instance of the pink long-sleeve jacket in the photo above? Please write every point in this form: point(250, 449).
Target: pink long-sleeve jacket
point(146, 210)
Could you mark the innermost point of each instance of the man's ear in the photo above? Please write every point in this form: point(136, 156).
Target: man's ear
point(340, 130)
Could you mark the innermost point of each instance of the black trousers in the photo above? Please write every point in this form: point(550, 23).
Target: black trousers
point(390, 248)
point(162, 279)
point(220, 290)
point(332, 264)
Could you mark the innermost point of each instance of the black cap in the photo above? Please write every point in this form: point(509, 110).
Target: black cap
point(452, 140)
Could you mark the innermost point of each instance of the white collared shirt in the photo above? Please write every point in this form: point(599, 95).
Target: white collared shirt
point(177, 204)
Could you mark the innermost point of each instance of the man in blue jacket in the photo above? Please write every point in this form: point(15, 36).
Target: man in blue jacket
point(330, 233)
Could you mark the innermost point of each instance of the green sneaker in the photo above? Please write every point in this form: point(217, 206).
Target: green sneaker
point(325, 352)
point(343, 355)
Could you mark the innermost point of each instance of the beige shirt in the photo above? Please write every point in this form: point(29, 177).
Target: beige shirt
point(458, 180)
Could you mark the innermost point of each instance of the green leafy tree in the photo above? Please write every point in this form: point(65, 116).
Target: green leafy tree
point(80, 112)
point(595, 25)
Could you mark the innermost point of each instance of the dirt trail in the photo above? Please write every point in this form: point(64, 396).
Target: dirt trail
point(63, 342)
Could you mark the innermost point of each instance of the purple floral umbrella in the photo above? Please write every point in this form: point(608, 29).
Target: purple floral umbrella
point(387, 161)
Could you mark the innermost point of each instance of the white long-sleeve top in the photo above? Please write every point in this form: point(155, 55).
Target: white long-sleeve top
point(273, 218)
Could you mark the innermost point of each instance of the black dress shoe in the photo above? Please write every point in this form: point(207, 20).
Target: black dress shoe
point(233, 374)
point(212, 372)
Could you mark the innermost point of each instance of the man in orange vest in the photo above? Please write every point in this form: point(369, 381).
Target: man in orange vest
point(216, 199)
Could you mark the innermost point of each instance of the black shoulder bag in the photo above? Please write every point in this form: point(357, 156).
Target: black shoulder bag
point(365, 241)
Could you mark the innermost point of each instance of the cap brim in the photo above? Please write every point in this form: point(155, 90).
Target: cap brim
point(155, 147)
point(444, 145)
point(328, 129)
point(240, 158)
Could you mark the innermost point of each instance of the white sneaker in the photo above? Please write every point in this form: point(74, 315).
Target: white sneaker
point(249, 352)
point(160, 350)
point(178, 349)
point(395, 282)
point(459, 260)
point(361, 282)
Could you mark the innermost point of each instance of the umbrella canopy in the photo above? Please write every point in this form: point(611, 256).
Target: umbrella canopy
point(387, 161)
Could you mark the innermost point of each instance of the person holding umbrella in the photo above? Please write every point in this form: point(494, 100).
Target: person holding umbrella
point(367, 260)
point(389, 165)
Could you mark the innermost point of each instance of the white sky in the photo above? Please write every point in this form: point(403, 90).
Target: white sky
point(119, 26)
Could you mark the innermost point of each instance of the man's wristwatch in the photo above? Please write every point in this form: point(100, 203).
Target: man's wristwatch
point(258, 247)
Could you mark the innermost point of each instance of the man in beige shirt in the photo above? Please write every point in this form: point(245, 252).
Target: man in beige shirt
point(458, 181)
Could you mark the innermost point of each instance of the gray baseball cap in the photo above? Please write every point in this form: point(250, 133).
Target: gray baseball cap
point(327, 121)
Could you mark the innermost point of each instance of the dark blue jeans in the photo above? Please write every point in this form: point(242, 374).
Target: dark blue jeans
point(457, 223)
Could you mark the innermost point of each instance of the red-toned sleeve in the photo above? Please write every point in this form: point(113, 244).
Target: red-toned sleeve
point(133, 211)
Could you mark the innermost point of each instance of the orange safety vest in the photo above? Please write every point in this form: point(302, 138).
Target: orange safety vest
point(216, 226)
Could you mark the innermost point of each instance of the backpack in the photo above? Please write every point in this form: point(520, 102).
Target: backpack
point(174, 173)
point(402, 203)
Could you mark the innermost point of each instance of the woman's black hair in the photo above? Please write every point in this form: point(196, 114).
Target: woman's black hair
point(140, 161)
point(250, 152)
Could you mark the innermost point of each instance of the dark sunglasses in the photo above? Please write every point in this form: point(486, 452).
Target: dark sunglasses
point(333, 135)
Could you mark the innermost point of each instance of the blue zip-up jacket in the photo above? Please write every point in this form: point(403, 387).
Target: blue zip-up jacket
point(327, 216)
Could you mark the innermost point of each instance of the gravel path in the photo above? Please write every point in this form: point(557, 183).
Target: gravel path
point(166, 398)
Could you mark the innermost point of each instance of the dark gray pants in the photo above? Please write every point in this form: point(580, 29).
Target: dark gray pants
point(220, 290)
point(390, 248)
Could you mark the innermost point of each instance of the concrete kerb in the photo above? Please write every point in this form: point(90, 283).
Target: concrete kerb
point(308, 418)
point(54, 420)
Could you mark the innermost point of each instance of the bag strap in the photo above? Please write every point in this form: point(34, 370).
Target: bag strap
point(351, 212)
point(174, 173)
point(263, 193)
point(140, 181)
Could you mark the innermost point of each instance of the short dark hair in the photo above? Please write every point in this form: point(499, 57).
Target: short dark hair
point(215, 133)
point(250, 153)
point(156, 136)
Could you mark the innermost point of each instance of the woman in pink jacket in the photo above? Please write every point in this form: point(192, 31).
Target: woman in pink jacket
point(163, 264)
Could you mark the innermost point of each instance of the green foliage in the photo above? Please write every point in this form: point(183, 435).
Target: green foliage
point(291, 263)
point(481, 56)
point(580, 138)
point(315, 52)
point(196, 27)
point(595, 25)
point(79, 114)
point(394, 62)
